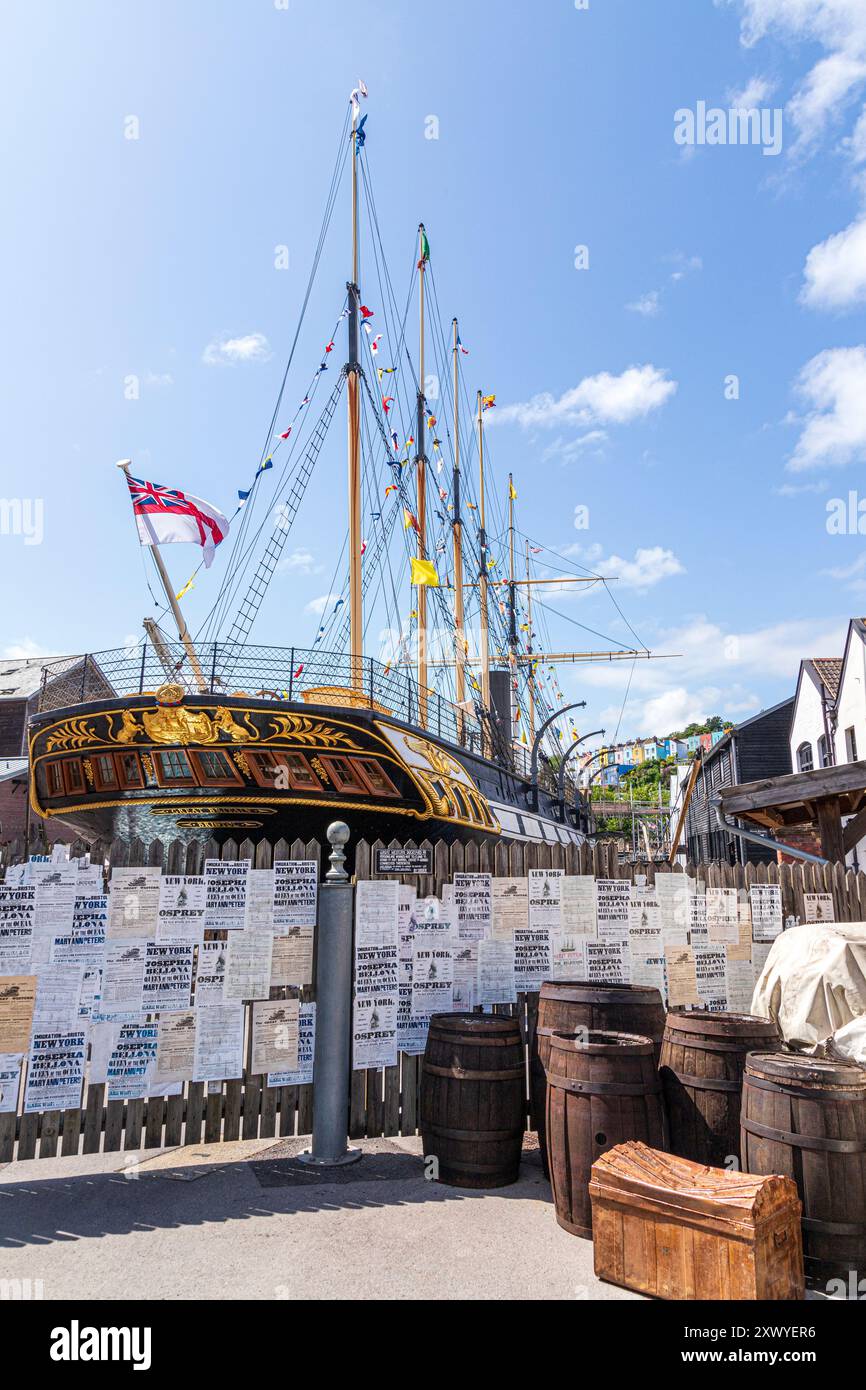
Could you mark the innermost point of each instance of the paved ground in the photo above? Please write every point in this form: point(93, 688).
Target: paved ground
point(243, 1220)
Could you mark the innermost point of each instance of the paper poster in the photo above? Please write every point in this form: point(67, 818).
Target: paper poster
point(473, 896)
point(740, 984)
point(568, 953)
point(818, 907)
point(612, 903)
point(55, 1071)
point(302, 1074)
point(649, 971)
point(608, 961)
point(722, 916)
point(577, 905)
point(56, 886)
point(85, 943)
point(91, 991)
point(411, 1030)
point(132, 1061)
point(260, 901)
point(645, 930)
point(376, 969)
point(710, 975)
point(122, 981)
point(210, 973)
point(766, 904)
point(377, 905)
point(545, 899)
point(10, 1081)
point(58, 994)
point(699, 931)
point(248, 965)
point(175, 1046)
point(180, 916)
point(91, 881)
point(226, 894)
point(438, 917)
point(374, 1031)
point(509, 907)
point(496, 973)
point(465, 982)
point(274, 1036)
point(296, 893)
point(405, 933)
point(292, 957)
point(673, 897)
point(17, 1001)
point(17, 911)
point(743, 948)
point(432, 974)
point(532, 955)
point(681, 977)
point(167, 985)
point(103, 1040)
point(219, 1043)
point(133, 903)
point(760, 951)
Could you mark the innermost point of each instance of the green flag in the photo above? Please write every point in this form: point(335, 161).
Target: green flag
point(425, 246)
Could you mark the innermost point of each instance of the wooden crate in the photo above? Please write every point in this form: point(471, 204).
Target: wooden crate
point(674, 1229)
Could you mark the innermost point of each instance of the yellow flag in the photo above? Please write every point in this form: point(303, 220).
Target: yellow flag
point(424, 572)
point(185, 590)
point(512, 491)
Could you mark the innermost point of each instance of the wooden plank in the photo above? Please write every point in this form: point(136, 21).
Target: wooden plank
point(49, 1132)
point(391, 1118)
point(175, 1106)
point(27, 1133)
point(7, 1138)
point(288, 1110)
point(233, 1101)
point(154, 1119)
point(94, 1114)
point(134, 1124)
point(194, 1110)
point(213, 1117)
point(71, 1128)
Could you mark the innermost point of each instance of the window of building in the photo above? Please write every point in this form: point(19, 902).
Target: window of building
point(216, 769)
point(823, 752)
point(73, 774)
point(300, 775)
point(851, 744)
point(345, 776)
point(805, 761)
point(54, 777)
point(173, 769)
point(377, 777)
point(105, 773)
point(129, 768)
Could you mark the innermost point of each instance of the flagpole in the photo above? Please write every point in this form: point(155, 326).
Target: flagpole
point(180, 620)
point(531, 673)
point(459, 625)
point(356, 611)
point(482, 581)
point(421, 488)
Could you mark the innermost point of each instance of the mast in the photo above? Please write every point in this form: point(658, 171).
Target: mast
point(459, 626)
point(353, 373)
point(531, 673)
point(482, 578)
point(180, 620)
point(421, 487)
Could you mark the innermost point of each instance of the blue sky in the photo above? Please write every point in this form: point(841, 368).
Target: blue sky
point(123, 257)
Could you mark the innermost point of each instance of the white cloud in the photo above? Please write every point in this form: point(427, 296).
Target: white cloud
point(648, 305)
point(833, 383)
point(718, 672)
point(299, 562)
point(835, 270)
point(839, 28)
point(25, 650)
point(318, 605)
point(852, 576)
point(756, 91)
point(566, 451)
point(157, 379)
point(600, 399)
point(647, 568)
point(252, 347)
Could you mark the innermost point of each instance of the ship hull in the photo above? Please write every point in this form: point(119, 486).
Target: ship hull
point(213, 767)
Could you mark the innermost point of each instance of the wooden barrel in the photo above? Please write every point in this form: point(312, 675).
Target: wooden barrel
point(702, 1061)
point(806, 1118)
point(473, 1098)
point(602, 1088)
point(566, 1005)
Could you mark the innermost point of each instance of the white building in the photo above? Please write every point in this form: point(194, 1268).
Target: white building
point(829, 724)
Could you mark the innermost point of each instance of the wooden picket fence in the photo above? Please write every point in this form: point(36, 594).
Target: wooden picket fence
point(382, 1101)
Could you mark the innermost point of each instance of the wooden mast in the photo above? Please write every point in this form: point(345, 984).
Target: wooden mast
point(353, 373)
point(482, 582)
point(531, 673)
point(180, 620)
point(457, 531)
point(421, 488)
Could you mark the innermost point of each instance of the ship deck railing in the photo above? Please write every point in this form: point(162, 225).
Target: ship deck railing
point(283, 674)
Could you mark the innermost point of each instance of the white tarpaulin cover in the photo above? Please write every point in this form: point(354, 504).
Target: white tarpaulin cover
point(813, 986)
